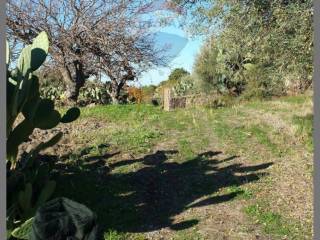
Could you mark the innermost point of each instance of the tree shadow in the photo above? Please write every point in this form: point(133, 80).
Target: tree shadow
point(147, 197)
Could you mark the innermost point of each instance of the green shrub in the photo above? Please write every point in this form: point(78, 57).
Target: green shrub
point(275, 37)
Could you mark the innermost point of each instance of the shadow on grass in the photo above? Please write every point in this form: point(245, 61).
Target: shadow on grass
point(148, 197)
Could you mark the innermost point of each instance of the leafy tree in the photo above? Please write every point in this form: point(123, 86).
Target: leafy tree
point(176, 74)
point(266, 45)
point(206, 66)
point(172, 80)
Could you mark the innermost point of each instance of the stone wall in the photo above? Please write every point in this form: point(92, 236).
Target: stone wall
point(170, 102)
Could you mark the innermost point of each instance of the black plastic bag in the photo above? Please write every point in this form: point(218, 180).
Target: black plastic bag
point(64, 219)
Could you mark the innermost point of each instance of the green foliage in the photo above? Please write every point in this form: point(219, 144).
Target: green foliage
point(93, 92)
point(262, 48)
point(206, 68)
point(224, 70)
point(184, 85)
point(172, 80)
point(24, 97)
point(29, 184)
point(24, 230)
point(176, 74)
point(51, 84)
point(53, 87)
point(114, 235)
point(52, 92)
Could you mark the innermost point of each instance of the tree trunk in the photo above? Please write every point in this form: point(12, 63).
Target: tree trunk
point(70, 84)
point(114, 91)
point(115, 100)
point(72, 91)
point(73, 81)
point(115, 95)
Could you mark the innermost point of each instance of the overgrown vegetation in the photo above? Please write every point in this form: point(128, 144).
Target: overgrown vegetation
point(254, 48)
point(157, 157)
point(305, 129)
point(223, 167)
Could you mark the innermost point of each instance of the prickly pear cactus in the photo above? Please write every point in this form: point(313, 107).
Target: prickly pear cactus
point(183, 86)
point(93, 93)
point(28, 183)
point(23, 231)
point(52, 92)
point(24, 97)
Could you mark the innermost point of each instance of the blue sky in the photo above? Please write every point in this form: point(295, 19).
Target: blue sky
point(183, 48)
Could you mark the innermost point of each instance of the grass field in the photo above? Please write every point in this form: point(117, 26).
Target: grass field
point(240, 172)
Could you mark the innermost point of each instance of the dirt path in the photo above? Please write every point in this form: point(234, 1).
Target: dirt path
point(292, 172)
point(197, 178)
point(220, 215)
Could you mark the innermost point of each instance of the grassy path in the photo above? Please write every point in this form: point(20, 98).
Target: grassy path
point(243, 172)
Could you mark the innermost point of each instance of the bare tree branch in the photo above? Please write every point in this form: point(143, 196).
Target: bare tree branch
point(88, 37)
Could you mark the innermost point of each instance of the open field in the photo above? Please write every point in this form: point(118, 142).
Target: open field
point(242, 172)
point(159, 120)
